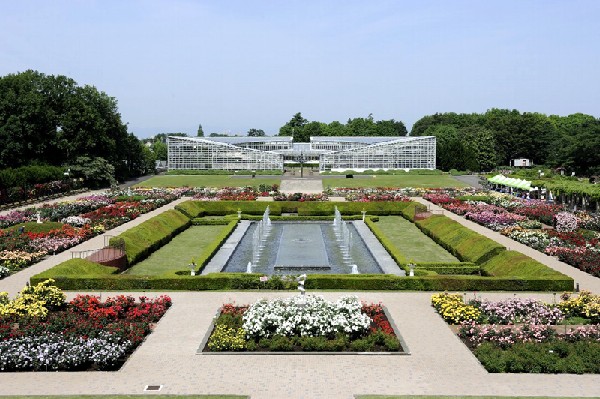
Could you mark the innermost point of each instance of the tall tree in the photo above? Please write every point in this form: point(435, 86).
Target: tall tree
point(200, 131)
point(294, 128)
point(256, 133)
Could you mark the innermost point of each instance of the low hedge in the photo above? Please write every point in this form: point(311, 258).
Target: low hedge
point(211, 249)
point(409, 211)
point(459, 240)
point(211, 222)
point(77, 268)
point(140, 241)
point(516, 264)
point(480, 198)
point(463, 268)
point(298, 218)
point(238, 281)
point(192, 209)
point(273, 172)
point(351, 208)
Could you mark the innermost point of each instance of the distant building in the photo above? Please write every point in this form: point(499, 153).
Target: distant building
point(332, 153)
point(521, 163)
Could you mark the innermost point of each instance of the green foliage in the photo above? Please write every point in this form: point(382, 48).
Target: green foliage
point(411, 209)
point(97, 172)
point(450, 267)
point(210, 222)
point(345, 282)
point(140, 241)
point(460, 241)
point(76, 268)
point(49, 119)
point(34, 227)
point(28, 175)
point(548, 357)
point(256, 133)
point(192, 209)
point(400, 172)
point(516, 264)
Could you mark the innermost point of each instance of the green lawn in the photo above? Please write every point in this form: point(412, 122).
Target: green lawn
point(466, 397)
point(425, 181)
point(206, 181)
point(178, 253)
point(412, 242)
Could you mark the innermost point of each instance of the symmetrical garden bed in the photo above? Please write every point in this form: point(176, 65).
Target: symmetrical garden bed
point(485, 265)
point(40, 332)
point(303, 324)
point(575, 238)
point(63, 225)
point(528, 336)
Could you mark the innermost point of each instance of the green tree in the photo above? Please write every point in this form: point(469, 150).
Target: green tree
point(159, 149)
point(200, 131)
point(256, 133)
point(294, 128)
point(480, 146)
point(96, 172)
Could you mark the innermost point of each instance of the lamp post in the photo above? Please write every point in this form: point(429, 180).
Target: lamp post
point(301, 165)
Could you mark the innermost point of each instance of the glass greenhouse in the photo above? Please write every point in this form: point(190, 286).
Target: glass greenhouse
point(332, 153)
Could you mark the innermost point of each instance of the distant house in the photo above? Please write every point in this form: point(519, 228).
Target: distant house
point(521, 163)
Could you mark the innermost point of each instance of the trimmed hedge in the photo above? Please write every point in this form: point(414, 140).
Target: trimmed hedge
point(191, 209)
point(239, 281)
point(459, 240)
point(516, 264)
point(140, 241)
point(299, 218)
point(77, 268)
point(211, 222)
point(194, 208)
point(463, 268)
point(409, 211)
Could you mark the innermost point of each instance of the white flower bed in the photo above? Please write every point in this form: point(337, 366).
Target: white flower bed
point(316, 317)
point(57, 352)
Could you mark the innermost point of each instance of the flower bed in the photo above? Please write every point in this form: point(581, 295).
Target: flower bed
point(303, 324)
point(39, 332)
point(521, 335)
point(82, 219)
point(509, 215)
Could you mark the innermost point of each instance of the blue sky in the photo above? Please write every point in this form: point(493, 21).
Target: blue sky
point(236, 65)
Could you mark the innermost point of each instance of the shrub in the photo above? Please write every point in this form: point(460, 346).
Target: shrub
point(409, 211)
point(140, 241)
point(192, 209)
point(516, 264)
point(460, 241)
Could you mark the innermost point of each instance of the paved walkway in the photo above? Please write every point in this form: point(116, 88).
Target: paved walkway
point(585, 280)
point(439, 363)
point(308, 186)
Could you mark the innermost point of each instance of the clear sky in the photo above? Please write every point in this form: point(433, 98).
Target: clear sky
point(236, 65)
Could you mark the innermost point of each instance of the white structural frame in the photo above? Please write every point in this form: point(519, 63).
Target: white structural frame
point(195, 153)
point(333, 153)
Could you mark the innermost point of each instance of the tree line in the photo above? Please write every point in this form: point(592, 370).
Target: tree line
point(51, 120)
point(301, 129)
point(481, 142)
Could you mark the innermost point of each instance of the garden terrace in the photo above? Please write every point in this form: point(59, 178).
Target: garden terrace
point(480, 267)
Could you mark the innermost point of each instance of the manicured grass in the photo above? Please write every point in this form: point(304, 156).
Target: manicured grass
point(425, 181)
point(207, 181)
point(177, 254)
point(129, 397)
point(35, 227)
point(467, 397)
point(412, 242)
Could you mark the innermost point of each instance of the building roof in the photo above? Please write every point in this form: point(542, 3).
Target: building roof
point(250, 139)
